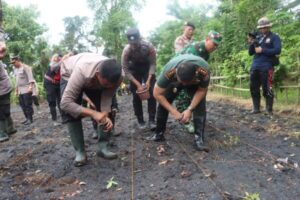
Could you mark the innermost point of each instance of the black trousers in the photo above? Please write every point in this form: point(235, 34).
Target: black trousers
point(260, 78)
point(4, 106)
point(25, 101)
point(53, 97)
point(171, 93)
point(35, 100)
point(136, 101)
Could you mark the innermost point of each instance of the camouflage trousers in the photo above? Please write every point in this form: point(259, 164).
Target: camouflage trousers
point(183, 100)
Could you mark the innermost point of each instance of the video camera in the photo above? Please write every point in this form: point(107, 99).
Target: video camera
point(255, 36)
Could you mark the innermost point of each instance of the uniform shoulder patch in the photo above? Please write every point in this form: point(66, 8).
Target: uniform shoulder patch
point(170, 74)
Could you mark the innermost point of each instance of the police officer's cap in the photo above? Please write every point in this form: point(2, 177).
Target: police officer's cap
point(133, 35)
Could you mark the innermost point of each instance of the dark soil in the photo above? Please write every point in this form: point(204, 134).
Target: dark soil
point(37, 161)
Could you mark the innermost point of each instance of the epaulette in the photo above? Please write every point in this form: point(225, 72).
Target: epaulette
point(170, 74)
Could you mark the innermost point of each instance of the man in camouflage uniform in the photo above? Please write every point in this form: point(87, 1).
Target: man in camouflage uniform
point(139, 65)
point(182, 72)
point(199, 48)
point(6, 122)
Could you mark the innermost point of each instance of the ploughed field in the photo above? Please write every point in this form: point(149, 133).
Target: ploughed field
point(250, 155)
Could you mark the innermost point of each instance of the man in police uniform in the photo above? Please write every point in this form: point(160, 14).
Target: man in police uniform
point(187, 36)
point(139, 65)
point(24, 87)
point(97, 77)
point(265, 48)
point(183, 71)
point(6, 122)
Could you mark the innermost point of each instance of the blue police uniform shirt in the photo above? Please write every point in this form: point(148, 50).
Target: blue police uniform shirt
point(271, 46)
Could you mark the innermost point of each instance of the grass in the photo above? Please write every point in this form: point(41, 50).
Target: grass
point(281, 96)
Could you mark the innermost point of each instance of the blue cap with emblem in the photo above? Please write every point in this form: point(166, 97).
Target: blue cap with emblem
point(133, 35)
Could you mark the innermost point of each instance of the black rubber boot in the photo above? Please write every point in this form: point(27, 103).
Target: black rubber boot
point(151, 123)
point(9, 124)
point(157, 137)
point(95, 132)
point(53, 113)
point(29, 120)
point(141, 123)
point(199, 123)
point(103, 139)
point(3, 133)
point(269, 105)
point(112, 117)
point(256, 105)
point(76, 134)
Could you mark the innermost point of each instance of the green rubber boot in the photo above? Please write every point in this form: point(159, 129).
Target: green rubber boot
point(103, 139)
point(3, 133)
point(76, 134)
point(9, 124)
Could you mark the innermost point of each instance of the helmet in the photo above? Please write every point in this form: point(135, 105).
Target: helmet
point(263, 22)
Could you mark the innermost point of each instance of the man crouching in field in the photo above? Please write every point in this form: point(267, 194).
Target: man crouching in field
point(189, 72)
point(97, 77)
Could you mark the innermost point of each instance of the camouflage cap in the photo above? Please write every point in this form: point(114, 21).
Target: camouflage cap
point(133, 35)
point(215, 36)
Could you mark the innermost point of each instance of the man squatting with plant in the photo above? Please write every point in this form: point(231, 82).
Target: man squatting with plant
point(188, 72)
point(97, 77)
point(198, 48)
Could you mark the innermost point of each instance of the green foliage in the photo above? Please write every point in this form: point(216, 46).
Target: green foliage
point(164, 36)
point(234, 19)
point(163, 39)
point(75, 33)
point(113, 19)
point(24, 37)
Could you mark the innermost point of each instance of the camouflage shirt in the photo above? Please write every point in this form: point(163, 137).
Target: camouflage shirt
point(196, 48)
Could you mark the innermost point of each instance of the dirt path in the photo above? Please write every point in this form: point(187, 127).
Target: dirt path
point(36, 163)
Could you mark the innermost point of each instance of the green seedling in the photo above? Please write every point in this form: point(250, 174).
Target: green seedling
point(111, 183)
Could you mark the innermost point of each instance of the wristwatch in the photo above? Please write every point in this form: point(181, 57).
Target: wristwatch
point(190, 108)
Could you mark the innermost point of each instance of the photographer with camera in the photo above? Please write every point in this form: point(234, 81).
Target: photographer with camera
point(265, 47)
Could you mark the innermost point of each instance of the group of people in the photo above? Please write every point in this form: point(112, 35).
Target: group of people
point(94, 78)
